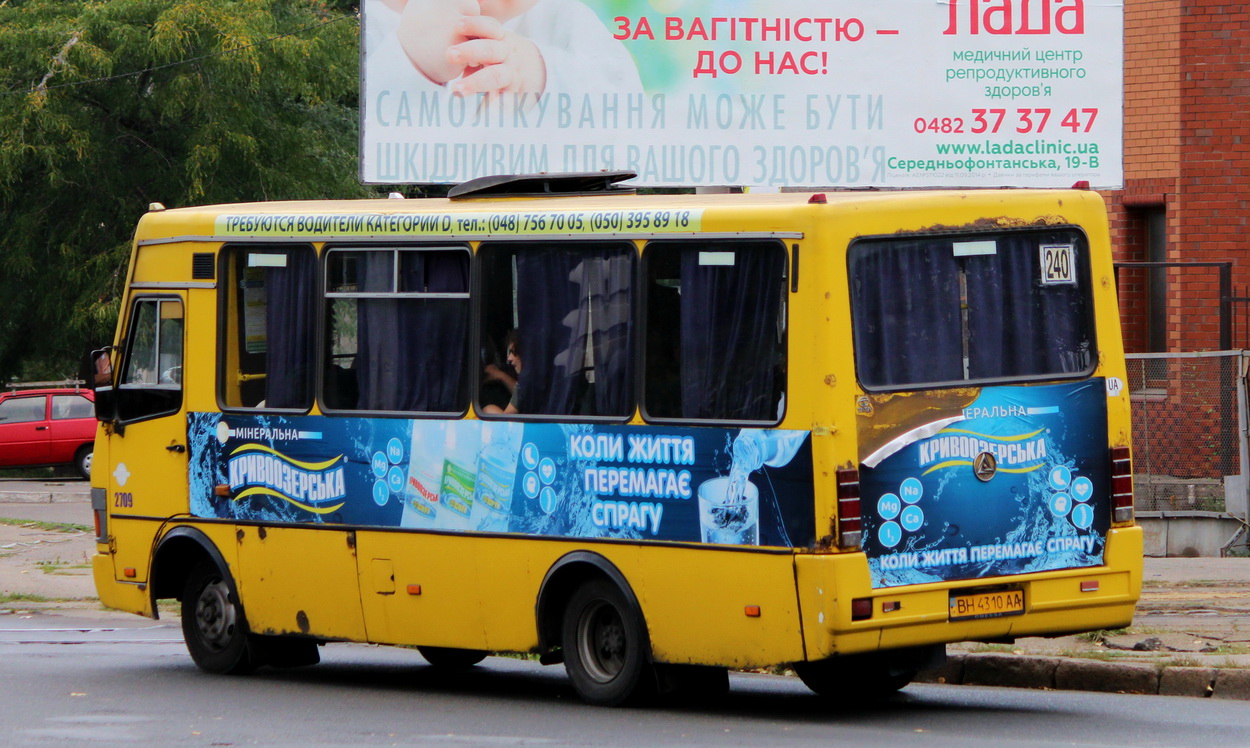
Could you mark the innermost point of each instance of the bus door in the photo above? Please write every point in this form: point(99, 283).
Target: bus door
point(296, 560)
point(147, 454)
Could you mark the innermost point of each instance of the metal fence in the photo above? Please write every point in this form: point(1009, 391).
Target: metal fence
point(1188, 429)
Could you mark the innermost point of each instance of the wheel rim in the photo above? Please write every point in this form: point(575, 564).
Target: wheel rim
point(215, 616)
point(86, 464)
point(601, 641)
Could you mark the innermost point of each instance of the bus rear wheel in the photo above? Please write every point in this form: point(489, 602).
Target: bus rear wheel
point(213, 623)
point(450, 658)
point(604, 644)
point(869, 676)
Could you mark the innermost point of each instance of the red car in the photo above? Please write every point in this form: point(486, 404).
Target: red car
point(47, 427)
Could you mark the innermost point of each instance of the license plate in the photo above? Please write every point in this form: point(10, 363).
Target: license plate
point(987, 604)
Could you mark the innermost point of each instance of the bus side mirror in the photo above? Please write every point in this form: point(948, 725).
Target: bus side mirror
point(100, 379)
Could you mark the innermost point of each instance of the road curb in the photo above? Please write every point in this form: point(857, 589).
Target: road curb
point(1070, 674)
point(39, 497)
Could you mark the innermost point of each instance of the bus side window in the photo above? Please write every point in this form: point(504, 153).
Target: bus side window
point(398, 325)
point(714, 330)
point(571, 306)
point(151, 380)
point(268, 340)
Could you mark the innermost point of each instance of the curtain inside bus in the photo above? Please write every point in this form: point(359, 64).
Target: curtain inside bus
point(910, 328)
point(908, 322)
point(1007, 306)
point(730, 332)
point(575, 330)
point(410, 351)
point(290, 318)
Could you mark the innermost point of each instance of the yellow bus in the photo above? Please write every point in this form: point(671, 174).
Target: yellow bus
point(653, 437)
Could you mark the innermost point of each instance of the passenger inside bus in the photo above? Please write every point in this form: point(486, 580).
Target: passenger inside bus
point(496, 374)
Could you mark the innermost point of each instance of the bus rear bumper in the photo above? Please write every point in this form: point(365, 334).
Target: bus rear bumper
point(131, 597)
point(1055, 603)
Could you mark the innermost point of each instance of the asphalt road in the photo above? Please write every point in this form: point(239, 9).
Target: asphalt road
point(136, 686)
point(74, 674)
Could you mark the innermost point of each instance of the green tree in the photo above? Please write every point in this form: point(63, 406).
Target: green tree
point(108, 106)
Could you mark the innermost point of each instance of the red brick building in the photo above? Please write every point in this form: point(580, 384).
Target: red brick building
point(1186, 198)
point(1186, 195)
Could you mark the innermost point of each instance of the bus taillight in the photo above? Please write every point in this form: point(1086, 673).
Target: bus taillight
point(99, 509)
point(850, 528)
point(1121, 485)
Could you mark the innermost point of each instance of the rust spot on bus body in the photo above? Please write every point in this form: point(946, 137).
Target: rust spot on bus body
point(989, 224)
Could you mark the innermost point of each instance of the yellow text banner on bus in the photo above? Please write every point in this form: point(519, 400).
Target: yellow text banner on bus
point(430, 224)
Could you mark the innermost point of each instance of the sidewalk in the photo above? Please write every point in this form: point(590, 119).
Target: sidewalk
point(1190, 637)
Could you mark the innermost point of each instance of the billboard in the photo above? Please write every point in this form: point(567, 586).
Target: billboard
point(760, 93)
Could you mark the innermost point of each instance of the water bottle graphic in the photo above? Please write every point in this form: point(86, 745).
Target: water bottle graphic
point(755, 448)
point(729, 508)
point(496, 473)
point(425, 475)
point(463, 441)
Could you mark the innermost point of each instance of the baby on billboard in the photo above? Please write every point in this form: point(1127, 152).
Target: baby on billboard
point(495, 48)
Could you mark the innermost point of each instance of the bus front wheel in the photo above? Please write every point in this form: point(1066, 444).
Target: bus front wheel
point(213, 623)
point(604, 643)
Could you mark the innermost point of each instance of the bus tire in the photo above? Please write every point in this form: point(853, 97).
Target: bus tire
point(854, 678)
point(283, 651)
point(604, 644)
point(451, 658)
point(213, 623)
point(697, 684)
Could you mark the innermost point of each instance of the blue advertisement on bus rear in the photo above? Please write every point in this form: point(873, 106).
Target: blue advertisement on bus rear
point(1011, 480)
point(744, 487)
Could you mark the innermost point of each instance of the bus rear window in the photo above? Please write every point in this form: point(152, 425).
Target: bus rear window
point(953, 310)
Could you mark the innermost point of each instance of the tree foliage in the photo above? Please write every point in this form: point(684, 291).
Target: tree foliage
point(109, 105)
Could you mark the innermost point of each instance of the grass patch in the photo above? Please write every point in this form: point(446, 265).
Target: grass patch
point(50, 526)
point(1099, 636)
point(1001, 648)
point(1105, 655)
point(23, 597)
point(59, 567)
point(530, 656)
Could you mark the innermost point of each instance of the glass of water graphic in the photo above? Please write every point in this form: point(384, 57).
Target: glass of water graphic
point(722, 519)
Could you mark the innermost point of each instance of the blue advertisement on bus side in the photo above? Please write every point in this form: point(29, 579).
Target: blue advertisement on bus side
point(743, 487)
point(1013, 482)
